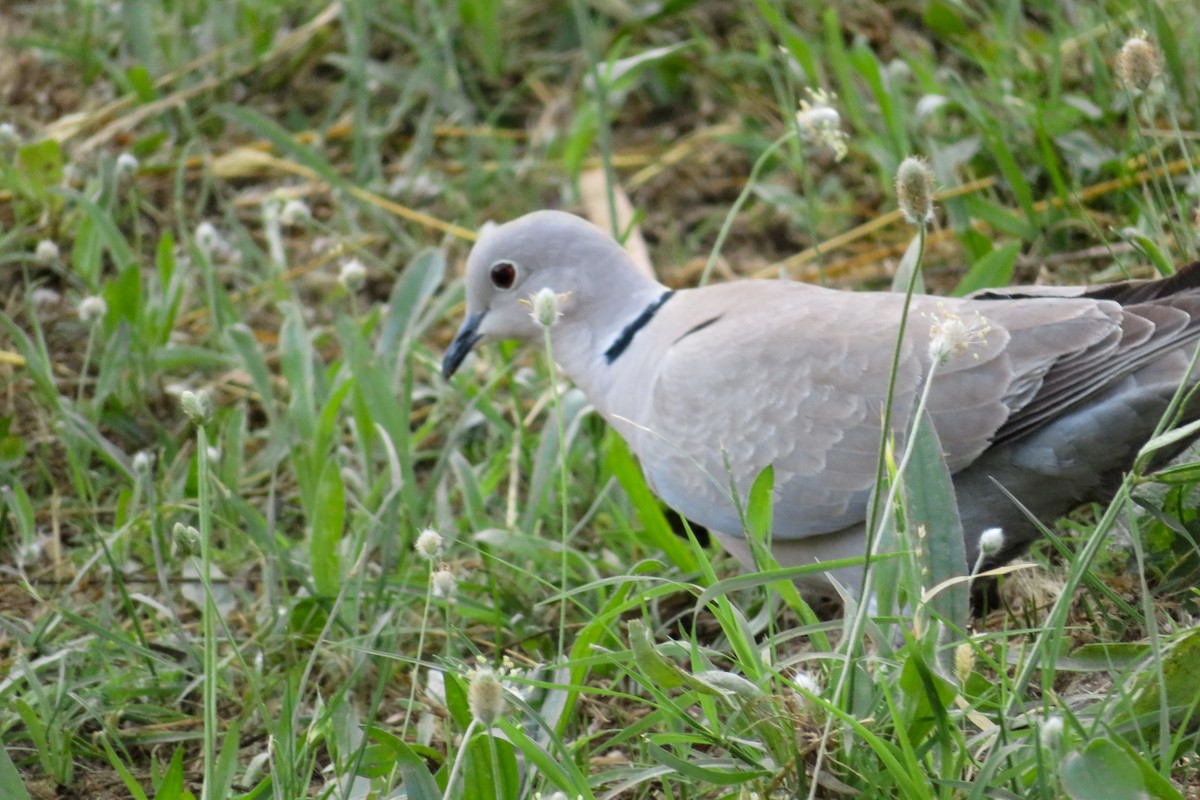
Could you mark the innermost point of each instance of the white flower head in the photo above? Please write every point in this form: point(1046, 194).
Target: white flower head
point(197, 406)
point(806, 681)
point(429, 544)
point(820, 122)
point(914, 191)
point(1138, 63)
point(185, 540)
point(1052, 731)
point(46, 251)
point(352, 275)
point(444, 583)
point(92, 309)
point(295, 212)
point(127, 165)
point(143, 462)
point(953, 335)
point(208, 239)
point(485, 695)
point(42, 297)
point(991, 541)
point(546, 306)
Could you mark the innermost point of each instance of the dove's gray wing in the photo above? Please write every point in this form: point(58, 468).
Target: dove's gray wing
point(796, 377)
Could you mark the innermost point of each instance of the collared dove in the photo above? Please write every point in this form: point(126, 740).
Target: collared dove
point(1048, 393)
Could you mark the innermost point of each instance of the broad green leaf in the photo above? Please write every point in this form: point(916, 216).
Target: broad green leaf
point(41, 164)
point(1000, 218)
point(491, 769)
point(418, 783)
point(143, 84)
point(1102, 657)
point(1102, 769)
point(946, 18)
point(933, 525)
point(760, 505)
point(123, 295)
point(11, 785)
point(992, 270)
point(1180, 680)
point(170, 787)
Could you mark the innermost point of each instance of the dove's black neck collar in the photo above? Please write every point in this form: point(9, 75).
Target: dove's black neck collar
point(625, 337)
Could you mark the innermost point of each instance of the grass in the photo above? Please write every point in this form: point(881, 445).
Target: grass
point(228, 603)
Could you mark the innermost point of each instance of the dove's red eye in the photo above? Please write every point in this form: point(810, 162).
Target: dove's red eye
point(504, 274)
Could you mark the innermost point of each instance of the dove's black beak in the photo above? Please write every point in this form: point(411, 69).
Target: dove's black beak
point(466, 338)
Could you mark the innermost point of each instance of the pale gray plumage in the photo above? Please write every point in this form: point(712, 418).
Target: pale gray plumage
point(1051, 398)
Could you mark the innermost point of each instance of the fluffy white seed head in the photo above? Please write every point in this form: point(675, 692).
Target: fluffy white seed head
point(546, 307)
point(444, 583)
point(952, 334)
point(1137, 63)
point(197, 406)
point(185, 540)
point(143, 462)
point(295, 212)
point(127, 165)
point(352, 275)
point(1052, 731)
point(92, 309)
point(819, 122)
point(991, 541)
point(806, 681)
point(485, 696)
point(208, 239)
point(429, 544)
point(914, 190)
point(47, 251)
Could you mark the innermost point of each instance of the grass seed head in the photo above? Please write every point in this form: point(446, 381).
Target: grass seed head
point(197, 405)
point(295, 213)
point(991, 541)
point(92, 309)
point(546, 307)
point(914, 189)
point(1137, 64)
point(46, 252)
point(352, 275)
point(429, 544)
point(444, 583)
point(485, 695)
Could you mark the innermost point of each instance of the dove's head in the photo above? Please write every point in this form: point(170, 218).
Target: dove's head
point(585, 268)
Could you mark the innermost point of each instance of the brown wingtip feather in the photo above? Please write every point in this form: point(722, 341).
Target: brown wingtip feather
point(1187, 279)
